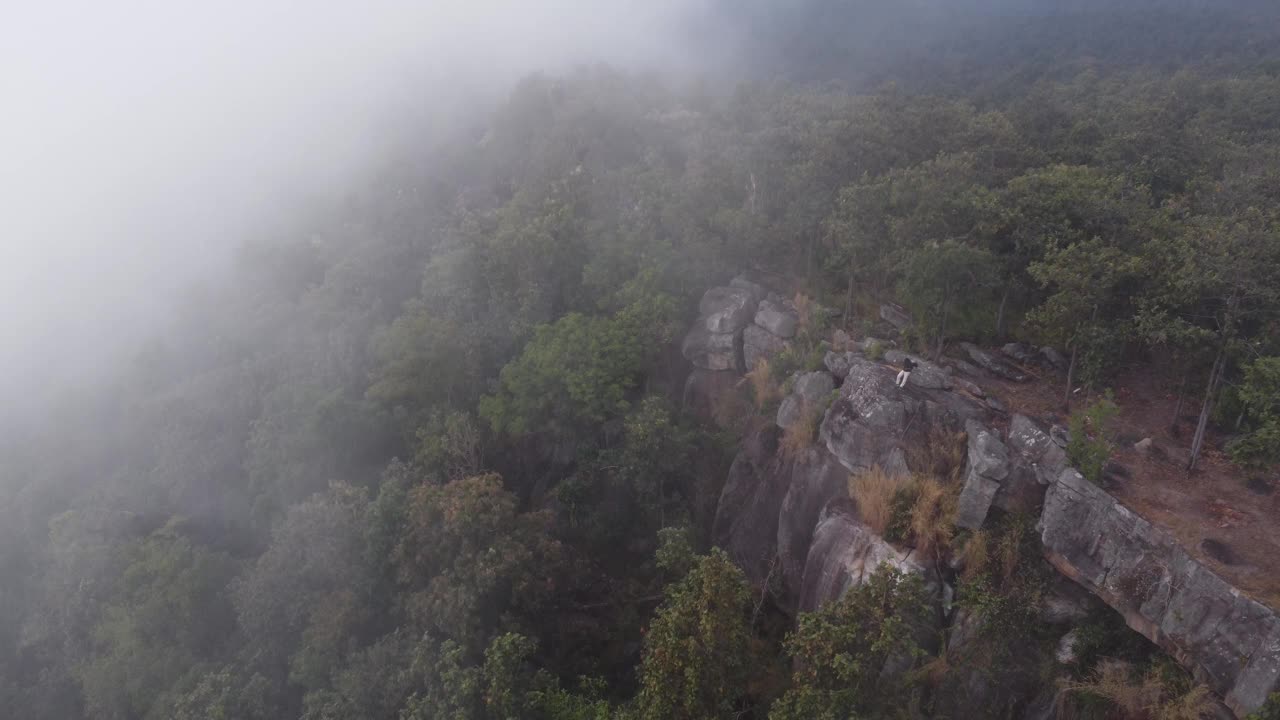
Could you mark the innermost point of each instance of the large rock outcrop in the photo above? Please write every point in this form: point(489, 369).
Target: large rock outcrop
point(738, 325)
point(1230, 642)
point(843, 554)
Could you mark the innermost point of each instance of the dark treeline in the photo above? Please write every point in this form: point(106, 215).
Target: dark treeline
point(424, 457)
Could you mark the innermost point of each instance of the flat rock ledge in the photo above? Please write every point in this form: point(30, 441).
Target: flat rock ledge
point(1231, 643)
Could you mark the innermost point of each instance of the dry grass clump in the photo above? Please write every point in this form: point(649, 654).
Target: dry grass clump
point(932, 517)
point(804, 312)
point(874, 492)
point(800, 435)
point(976, 555)
point(941, 454)
point(764, 389)
point(1149, 697)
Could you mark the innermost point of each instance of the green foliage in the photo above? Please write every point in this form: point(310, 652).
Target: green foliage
point(1090, 446)
point(579, 371)
point(467, 557)
point(697, 653)
point(943, 277)
point(1269, 711)
point(1260, 397)
point(875, 351)
point(839, 652)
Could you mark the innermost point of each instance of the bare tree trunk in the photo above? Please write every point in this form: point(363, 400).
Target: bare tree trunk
point(1182, 394)
point(942, 322)
point(1071, 372)
point(1206, 408)
point(848, 300)
point(1004, 299)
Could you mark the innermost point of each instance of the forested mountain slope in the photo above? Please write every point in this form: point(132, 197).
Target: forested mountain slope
point(425, 455)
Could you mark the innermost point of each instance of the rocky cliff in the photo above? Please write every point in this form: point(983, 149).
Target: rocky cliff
point(786, 516)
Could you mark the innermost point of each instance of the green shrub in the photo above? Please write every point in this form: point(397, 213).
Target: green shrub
point(1090, 447)
point(874, 350)
point(1269, 711)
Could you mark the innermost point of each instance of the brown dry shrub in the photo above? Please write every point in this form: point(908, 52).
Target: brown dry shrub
point(932, 517)
point(941, 454)
point(1148, 697)
point(804, 312)
point(764, 389)
point(873, 491)
point(800, 436)
point(976, 555)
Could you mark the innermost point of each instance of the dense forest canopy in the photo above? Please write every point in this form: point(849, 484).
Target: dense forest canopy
point(423, 455)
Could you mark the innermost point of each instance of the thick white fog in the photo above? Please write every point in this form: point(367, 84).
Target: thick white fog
point(143, 139)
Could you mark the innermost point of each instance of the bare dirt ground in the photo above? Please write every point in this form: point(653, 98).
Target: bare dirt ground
point(1224, 515)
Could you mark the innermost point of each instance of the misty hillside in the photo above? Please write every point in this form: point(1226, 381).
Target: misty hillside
point(430, 448)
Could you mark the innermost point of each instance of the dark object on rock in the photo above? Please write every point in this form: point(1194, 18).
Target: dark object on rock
point(1218, 550)
point(1259, 486)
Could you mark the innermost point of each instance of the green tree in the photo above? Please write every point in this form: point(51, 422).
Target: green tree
point(1087, 309)
point(698, 651)
point(468, 560)
point(580, 371)
point(1260, 394)
point(839, 653)
point(940, 276)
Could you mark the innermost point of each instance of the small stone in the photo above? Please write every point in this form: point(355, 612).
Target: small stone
point(1066, 652)
point(1143, 446)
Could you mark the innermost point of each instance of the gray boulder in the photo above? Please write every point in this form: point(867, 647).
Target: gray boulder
point(1046, 459)
point(1228, 641)
point(991, 363)
point(711, 350)
point(759, 344)
point(1066, 650)
point(1066, 603)
point(868, 342)
point(777, 319)
point(988, 465)
point(758, 292)
point(840, 362)
point(1021, 352)
point(726, 309)
point(926, 374)
point(895, 315)
point(704, 390)
point(816, 479)
point(969, 387)
point(747, 515)
point(809, 393)
point(866, 420)
point(1054, 358)
point(844, 554)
